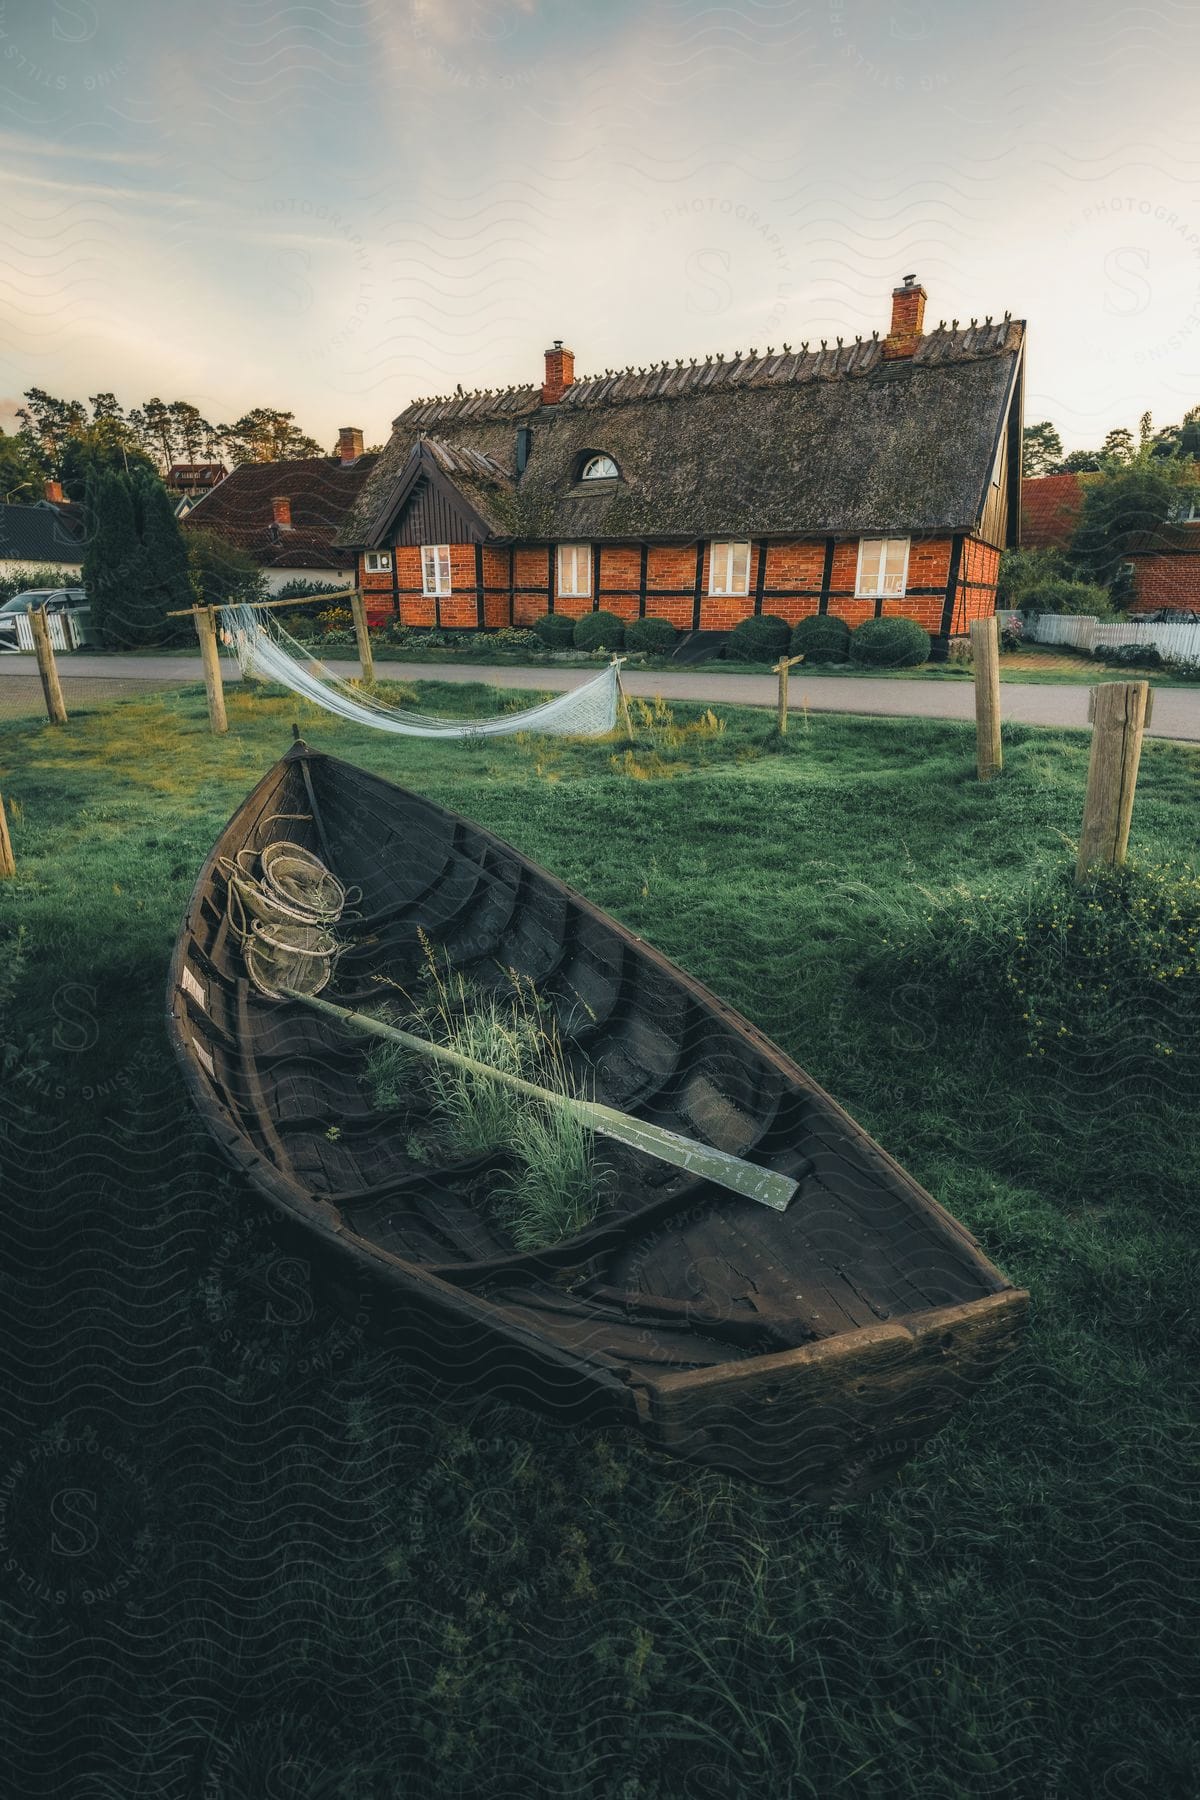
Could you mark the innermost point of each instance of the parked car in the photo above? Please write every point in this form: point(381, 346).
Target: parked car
point(55, 600)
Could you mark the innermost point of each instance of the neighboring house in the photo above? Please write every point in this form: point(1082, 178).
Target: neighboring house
point(46, 535)
point(286, 514)
point(878, 476)
point(188, 482)
point(1165, 564)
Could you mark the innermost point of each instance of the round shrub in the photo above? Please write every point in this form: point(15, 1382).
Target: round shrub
point(889, 643)
point(599, 631)
point(556, 630)
point(655, 636)
point(822, 639)
point(763, 638)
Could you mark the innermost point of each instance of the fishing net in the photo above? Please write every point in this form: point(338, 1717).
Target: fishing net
point(263, 648)
point(281, 913)
point(286, 955)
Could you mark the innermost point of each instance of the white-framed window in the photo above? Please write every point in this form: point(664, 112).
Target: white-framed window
point(378, 562)
point(599, 468)
point(435, 568)
point(882, 568)
point(728, 568)
point(575, 570)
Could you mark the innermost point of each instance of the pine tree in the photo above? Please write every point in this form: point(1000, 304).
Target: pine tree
point(168, 583)
point(114, 564)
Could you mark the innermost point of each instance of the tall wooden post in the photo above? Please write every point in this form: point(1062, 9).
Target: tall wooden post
point(365, 654)
point(1120, 712)
point(206, 631)
point(8, 864)
point(781, 669)
point(985, 651)
point(56, 710)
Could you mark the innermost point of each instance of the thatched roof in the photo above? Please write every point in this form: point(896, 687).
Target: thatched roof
point(796, 442)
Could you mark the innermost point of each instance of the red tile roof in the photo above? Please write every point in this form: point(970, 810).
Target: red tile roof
point(321, 490)
point(1050, 509)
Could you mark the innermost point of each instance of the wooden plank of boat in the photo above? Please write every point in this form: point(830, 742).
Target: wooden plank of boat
point(813, 1348)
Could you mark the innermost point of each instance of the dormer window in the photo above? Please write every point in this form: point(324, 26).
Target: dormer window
point(599, 468)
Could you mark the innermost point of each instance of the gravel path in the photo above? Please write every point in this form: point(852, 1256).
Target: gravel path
point(1176, 710)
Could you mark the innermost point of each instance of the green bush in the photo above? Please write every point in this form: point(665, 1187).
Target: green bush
point(1023, 571)
point(822, 639)
point(1129, 656)
point(556, 630)
point(1098, 984)
point(889, 643)
point(599, 631)
point(655, 636)
point(1060, 595)
point(761, 638)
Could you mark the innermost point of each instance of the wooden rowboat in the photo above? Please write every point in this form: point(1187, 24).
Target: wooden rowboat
point(814, 1348)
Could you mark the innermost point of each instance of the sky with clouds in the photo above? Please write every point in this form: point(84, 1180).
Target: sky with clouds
point(336, 205)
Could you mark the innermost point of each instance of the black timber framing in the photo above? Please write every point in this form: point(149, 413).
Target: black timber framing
point(827, 575)
point(642, 574)
point(760, 580)
point(956, 550)
point(480, 614)
point(697, 591)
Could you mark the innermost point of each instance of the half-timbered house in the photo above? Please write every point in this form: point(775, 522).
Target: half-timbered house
point(858, 478)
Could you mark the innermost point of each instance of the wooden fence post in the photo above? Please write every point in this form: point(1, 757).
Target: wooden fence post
point(206, 631)
point(56, 710)
point(781, 669)
point(985, 651)
point(8, 864)
point(1120, 712)
point(365, 654)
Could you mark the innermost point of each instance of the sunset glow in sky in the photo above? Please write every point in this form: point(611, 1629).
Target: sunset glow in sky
point(334, 207)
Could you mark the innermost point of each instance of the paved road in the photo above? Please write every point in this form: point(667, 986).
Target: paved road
point(1176, 710)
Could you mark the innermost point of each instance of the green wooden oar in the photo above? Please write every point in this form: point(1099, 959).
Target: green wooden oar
point(685, 1153)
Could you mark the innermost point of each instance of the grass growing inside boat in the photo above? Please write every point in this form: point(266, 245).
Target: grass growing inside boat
point(550, 1191)
point(514, 1607)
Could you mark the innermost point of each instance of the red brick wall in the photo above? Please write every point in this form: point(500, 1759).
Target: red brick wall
point(1166, 581)
point(789, 572)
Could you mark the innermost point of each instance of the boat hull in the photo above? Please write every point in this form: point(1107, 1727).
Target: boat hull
point(813, 1351)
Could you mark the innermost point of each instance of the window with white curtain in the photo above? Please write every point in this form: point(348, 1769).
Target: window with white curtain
point(729, 568)
point(435, 568)
point(882, 568)
point(575, 570)
point(378, 562)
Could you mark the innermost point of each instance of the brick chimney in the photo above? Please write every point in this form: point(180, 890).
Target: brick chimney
point(54, 492)
point(350, 444)
point(281, 509)
point(560, 373)
point(908, 318)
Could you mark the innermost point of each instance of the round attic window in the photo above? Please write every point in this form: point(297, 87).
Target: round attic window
point(599, 468)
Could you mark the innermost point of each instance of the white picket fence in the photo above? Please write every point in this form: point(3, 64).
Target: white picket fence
point(1181, 643)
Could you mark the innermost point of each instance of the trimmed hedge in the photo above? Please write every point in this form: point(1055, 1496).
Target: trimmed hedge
point(761, 638)
point(599, 631)
point(822, 639)
point(889, 643)
point(556, 630)
point(655, 636)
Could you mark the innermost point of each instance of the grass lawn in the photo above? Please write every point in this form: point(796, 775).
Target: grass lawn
point(245, 1552)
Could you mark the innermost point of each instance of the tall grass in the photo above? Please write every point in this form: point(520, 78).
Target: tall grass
point(550, 1193)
